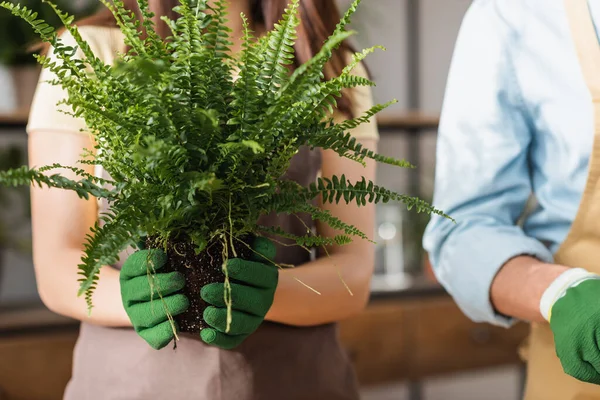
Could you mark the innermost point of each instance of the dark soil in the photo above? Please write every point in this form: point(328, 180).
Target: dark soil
point(199, 271)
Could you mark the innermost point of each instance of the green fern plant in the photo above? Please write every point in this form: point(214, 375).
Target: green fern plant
point(194, 154)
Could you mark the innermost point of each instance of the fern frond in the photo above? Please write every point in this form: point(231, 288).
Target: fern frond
point(103, 245)
point(282, 157)
point(312, 70)
point(337, 188)
point(217, 65)
point(99, 68)
point(186, 90)
point(46, 32)
point(128, 23)
point(322, 98)
point(280, 51)
point(363, 192)
point(78, 171)
point(346, 145)
point(217, 36)
point(295, 199)
point(246, 99)
point(324, 215)
point(153, 41)
point(347, 18)
point(307, 241)
point(366, 118)
point(106, 114)
point(25, 176)
point(359, 57)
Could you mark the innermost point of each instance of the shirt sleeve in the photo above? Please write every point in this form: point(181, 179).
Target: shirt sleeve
point(482, 172)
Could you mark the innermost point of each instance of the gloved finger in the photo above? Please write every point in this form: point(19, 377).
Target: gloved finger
point(592, 356)
point(243, 298)
point(150, 287)
point(160, 335)
point(253, 273)
point(152, 313)
point(265, 248)
point(141, 261)
point(582, 370)
point(241, 323)
point(218, 339)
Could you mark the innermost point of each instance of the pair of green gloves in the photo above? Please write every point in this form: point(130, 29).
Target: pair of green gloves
point(148, 305)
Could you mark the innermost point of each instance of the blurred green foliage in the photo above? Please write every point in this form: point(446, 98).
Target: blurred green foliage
point(12, 157)
point(17, 37)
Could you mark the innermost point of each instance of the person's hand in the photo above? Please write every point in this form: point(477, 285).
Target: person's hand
point(253, 285)
point(575, 322)
point(149, 298)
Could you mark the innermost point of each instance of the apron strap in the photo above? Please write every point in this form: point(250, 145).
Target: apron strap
point(586, 44)
point(546, 379)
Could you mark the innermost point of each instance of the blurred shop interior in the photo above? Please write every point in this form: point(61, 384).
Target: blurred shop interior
point(412, 343)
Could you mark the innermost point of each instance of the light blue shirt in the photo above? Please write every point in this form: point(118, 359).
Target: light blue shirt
point(517, 120)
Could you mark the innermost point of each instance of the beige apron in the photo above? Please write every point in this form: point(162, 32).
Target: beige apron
point(546, 379)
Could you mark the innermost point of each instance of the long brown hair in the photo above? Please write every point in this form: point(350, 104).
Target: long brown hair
point(318, 21)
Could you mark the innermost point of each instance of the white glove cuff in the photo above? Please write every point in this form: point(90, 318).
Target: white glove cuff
point(558, 288)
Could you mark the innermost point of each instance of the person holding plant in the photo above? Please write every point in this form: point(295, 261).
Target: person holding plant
point(281, 341)
point(521, 122)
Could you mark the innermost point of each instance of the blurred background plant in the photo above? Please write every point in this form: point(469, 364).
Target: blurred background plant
point(18, 69)
point(17, 37)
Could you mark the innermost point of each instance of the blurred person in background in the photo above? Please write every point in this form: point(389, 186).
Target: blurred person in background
point(295, 353)
point(521, 120)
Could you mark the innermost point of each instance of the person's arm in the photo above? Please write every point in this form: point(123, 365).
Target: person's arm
point(60, 222)
point(483, 177)
point(350, 265)
point(297, 305)
point(518, 288)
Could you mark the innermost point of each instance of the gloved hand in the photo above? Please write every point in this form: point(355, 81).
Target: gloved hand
point(142, 301)
point(575, 322)
point(253, 285)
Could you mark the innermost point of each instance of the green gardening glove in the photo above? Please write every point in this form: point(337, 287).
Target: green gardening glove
point(141, 295)
point(575, 322)
point(253, 285)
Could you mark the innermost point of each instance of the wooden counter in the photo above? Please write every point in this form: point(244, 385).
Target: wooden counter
point(36, 347)
point(36, 366)
point(408, 120)
point(15, 321)
point(420, 338)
